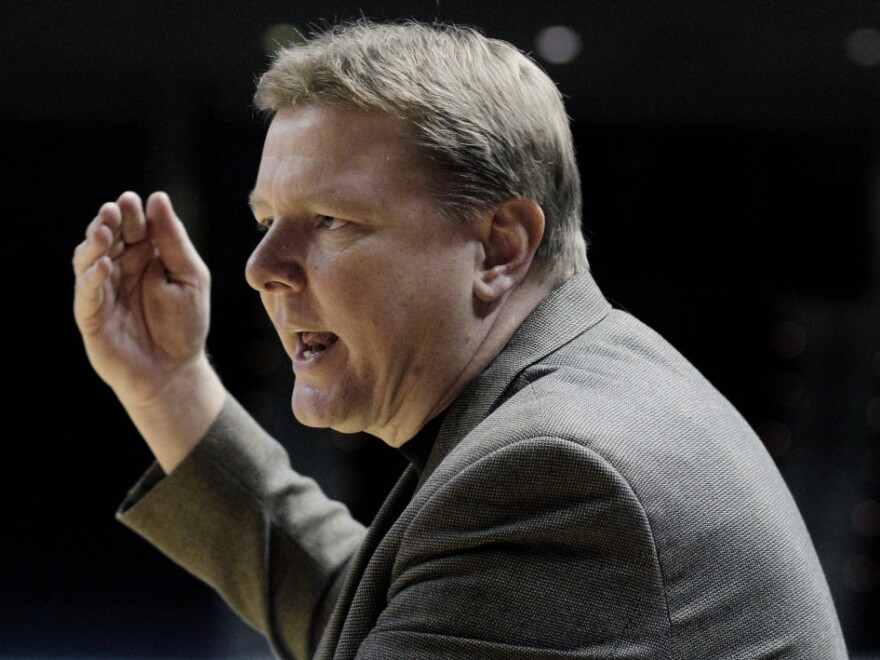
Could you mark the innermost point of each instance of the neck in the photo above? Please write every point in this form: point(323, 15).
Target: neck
point(499, 323)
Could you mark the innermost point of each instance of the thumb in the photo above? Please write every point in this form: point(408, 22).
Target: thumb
point(178, 254)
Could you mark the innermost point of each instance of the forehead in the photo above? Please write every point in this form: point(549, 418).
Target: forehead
point(322, 130)
point(327, 151)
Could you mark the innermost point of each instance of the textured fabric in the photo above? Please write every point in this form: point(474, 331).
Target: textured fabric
point(590, 495)
point(417, 449)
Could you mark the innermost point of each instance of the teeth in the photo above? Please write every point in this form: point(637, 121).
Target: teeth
point(315, 342)
point(309, 353)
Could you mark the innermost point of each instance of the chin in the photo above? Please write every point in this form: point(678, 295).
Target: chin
point(317, 410)
point(308, 416)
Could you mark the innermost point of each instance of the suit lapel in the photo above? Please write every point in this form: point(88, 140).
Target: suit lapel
point(346, 623)
point(570, 309)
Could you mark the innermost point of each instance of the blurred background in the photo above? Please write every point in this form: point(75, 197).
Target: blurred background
point(731, 162)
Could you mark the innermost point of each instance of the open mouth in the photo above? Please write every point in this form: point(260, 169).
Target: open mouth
point(313, 344)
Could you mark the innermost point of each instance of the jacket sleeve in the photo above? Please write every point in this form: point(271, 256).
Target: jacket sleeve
point(236, 515)
point(539, 550)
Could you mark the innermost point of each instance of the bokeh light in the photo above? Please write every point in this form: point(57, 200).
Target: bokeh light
point(558, 44)
point(788, 339)
point(863, 46)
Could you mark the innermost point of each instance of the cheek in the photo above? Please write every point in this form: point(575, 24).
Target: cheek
point(388, 299)
point(268, 303)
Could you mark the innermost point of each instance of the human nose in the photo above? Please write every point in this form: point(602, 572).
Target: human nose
point(275, 265)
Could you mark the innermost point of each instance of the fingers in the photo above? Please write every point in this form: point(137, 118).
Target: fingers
point(116, 225)
point(102, 237)
point(168, 234)
point(90, 293)
point(93, 262)
point(125, 239)
point(134, 223)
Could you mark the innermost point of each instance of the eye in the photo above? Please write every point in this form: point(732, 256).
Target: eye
point(264, 224)
point(329, 222)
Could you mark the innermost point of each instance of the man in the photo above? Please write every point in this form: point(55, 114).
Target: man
point(577, 489)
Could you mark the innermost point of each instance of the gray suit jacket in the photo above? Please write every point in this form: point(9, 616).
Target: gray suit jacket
point(590, 495)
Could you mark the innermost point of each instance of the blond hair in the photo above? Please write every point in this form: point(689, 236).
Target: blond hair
point(486, 114)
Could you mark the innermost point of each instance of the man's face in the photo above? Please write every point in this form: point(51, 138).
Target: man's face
point(370, 290)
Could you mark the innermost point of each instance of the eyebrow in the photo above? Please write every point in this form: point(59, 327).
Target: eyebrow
point(255, 200)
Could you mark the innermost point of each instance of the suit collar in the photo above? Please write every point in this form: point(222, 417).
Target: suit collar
point(570, 309)
point(565, 313)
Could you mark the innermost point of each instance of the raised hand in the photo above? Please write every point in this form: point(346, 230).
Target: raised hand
point(142, 305)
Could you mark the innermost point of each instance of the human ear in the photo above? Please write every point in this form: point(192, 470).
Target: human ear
point(510, 235)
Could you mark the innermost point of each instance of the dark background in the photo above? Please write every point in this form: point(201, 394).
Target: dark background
point(731, 161)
